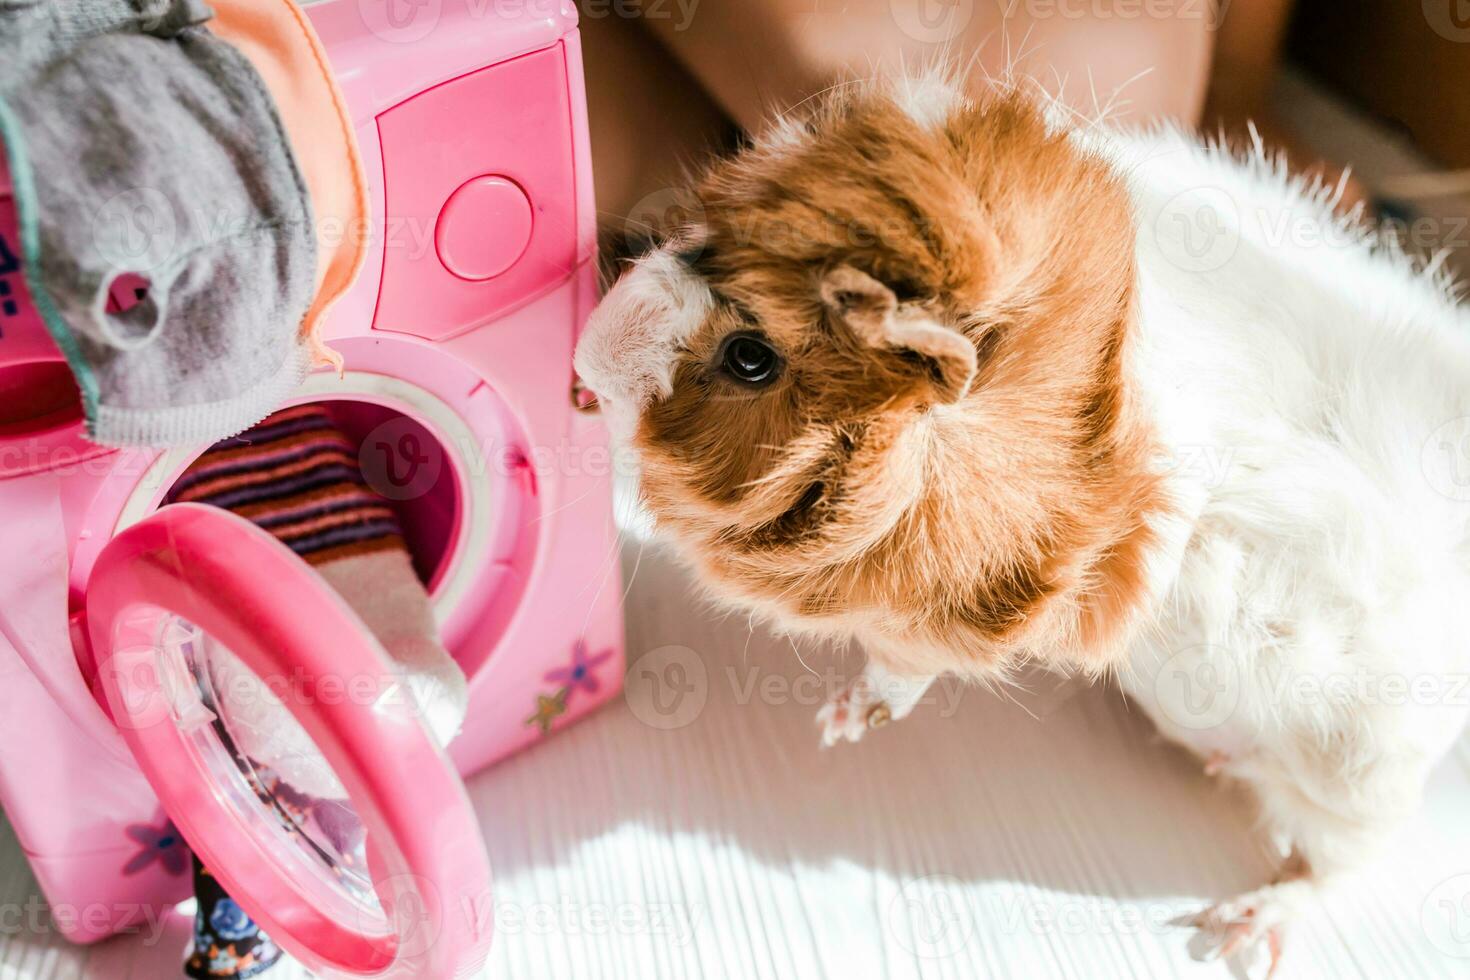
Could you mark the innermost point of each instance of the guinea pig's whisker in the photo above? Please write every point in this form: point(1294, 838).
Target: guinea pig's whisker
point(609, 562)
point(569, 503)
point(637, 564)
point(799, 658)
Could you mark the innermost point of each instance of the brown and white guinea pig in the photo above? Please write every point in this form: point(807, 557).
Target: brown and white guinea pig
point(879, 390)
point(974, 382)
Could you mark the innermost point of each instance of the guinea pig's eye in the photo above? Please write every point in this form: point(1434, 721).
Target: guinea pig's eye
point(749, 359)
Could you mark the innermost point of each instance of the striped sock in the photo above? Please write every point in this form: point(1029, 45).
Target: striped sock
point(297, 476)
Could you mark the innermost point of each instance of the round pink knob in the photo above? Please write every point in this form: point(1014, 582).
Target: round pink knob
point(483, 228)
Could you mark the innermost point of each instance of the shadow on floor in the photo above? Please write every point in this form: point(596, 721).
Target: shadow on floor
point(1063, 788)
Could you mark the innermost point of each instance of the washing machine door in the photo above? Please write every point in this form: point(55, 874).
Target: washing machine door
point(280, 742)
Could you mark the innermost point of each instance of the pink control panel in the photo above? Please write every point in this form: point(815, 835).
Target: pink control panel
point(488, 187)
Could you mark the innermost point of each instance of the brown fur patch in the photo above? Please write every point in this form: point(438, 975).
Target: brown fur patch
point(1013, 523)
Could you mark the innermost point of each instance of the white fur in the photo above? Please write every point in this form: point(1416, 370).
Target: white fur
point(928, 97)
point(1324, 588)
point(1311, 388)
point(632, 340)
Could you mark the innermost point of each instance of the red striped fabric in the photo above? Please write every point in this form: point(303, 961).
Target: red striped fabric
point(296, 475)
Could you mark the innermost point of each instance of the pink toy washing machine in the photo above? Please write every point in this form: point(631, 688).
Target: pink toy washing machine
point(116, 611)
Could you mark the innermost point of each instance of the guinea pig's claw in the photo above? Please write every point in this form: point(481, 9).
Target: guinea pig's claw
point(851, 713)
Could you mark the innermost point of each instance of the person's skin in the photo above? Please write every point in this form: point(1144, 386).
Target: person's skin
point(1154, 59)
point(656, 107)
point(648, 120)
point(1247, 54)
point(755, 56)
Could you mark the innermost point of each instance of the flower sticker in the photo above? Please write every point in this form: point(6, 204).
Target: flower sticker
point(162, 844)
point(578, 674)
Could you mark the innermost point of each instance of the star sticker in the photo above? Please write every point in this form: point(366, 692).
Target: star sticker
point(548, 707)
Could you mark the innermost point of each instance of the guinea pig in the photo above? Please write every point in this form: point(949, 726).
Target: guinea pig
point(977, 382)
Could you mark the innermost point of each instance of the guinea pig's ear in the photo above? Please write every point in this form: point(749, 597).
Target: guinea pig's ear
point(871, 311)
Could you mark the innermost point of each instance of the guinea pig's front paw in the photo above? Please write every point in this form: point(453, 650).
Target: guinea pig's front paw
point(1251, 926)
point(870, 700)
point(849, 713)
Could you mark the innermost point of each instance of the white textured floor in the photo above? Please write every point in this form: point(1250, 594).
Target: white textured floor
point(979, 838)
